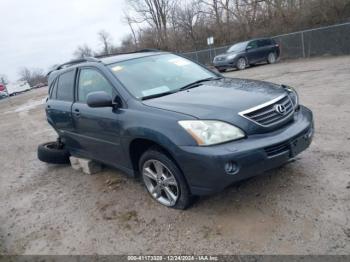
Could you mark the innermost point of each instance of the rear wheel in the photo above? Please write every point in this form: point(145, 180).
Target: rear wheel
point(241, 63)
point(271, 58)
point(163, 180)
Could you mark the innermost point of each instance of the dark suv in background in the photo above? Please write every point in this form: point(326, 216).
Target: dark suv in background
point(182, 128)
point(247, 53)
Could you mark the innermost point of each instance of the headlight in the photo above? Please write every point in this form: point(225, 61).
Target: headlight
point(229, 57)
point(210, 132)
point(293, 95)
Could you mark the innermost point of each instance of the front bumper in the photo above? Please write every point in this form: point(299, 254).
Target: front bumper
point(224, 64)
point(205, 168)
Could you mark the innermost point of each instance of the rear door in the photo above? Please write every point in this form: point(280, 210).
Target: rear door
point(265, 46)
point(252, 51)
point(59, 105)
point(98, 129)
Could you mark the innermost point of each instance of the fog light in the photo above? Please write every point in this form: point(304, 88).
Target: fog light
point(231, 168)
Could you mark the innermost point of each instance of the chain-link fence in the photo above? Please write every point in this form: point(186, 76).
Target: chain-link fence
point(329, 40)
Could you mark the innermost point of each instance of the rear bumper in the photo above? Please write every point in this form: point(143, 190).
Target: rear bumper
point(205, 168)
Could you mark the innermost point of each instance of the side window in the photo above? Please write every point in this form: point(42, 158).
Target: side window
point(91, 80)
point(65, 86)
point(253, 44)
point(264, 42)
point(53, 89)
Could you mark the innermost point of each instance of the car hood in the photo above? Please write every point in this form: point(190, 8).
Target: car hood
point(226, 55)
point(219, 99)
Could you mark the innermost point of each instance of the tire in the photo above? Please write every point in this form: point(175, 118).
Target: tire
point(241, 63)
point(271, 58)
point(53, 153)
point(169, 169)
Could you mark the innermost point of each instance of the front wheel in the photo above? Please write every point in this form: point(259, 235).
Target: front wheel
point(163, 180)
point(241, 63)
point(271, 58)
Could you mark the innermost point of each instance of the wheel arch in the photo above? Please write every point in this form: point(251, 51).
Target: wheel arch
point(140, 145)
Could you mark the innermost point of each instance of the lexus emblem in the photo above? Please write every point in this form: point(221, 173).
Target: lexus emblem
point(281, 109)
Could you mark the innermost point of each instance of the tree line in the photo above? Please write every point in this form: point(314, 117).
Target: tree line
point(185, 25)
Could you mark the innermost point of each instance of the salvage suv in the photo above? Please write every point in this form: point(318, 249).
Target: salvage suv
point(185, 130)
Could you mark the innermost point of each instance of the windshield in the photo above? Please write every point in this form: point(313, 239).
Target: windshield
point(237, 47)
point(158, 74)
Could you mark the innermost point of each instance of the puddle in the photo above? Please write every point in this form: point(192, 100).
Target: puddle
point(30, 105)
point(24, 108)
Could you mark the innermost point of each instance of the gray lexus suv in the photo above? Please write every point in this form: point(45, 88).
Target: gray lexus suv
point(183, 129)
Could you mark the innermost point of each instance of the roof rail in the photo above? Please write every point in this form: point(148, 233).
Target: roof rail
point(73, 62)
point(132, 52)
point(77, 61)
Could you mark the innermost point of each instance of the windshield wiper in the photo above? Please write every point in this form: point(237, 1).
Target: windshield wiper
point(196, 83)
point(191, 85)
point(157, 95)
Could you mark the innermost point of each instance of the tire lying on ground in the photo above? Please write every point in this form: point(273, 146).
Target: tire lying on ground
point(53, 153)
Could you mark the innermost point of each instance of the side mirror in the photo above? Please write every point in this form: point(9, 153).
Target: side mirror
point(248, 47)
point(99, 99)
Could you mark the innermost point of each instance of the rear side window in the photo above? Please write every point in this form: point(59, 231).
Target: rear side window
point(53, 89)
point(65, 86)
point(264, 42)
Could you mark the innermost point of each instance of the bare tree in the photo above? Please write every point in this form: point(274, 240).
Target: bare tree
point(3, 79)
point(106, 40)
point(156, 14)
point(32, 76)
point(130, 21)
point(83, 51)
point(186, 19)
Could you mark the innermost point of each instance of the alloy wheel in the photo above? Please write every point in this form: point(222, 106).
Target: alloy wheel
point(160, 182)
point(241, 63)
point(271, 58)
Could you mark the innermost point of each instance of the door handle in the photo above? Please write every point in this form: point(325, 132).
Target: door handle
point(77, 112)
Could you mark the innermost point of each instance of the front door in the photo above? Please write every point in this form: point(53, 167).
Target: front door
point(97, 129)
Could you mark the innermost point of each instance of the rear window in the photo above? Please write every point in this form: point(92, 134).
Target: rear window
point(65, 86)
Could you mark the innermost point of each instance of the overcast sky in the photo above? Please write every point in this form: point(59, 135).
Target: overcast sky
point(41, 33)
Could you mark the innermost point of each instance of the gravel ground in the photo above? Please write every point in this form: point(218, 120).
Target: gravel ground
point(300, 208)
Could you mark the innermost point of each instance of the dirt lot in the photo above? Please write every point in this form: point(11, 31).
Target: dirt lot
point(301, 208)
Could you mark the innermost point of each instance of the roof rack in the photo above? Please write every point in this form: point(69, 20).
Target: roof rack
point(73, 62)
point(77, 61)
point(132, 52)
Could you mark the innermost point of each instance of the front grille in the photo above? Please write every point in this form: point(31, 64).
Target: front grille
point(277, 149)
point(267, 115)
